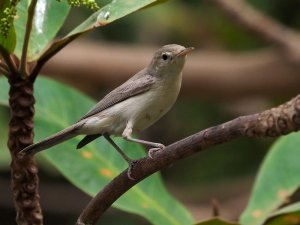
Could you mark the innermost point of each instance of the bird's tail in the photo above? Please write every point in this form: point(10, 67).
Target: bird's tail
point(55, 139)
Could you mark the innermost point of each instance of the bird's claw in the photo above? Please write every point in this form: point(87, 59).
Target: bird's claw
point(152, 151)
point(130, 167)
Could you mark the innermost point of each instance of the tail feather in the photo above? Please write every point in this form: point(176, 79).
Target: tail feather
point(55, 139)
point(87, 139)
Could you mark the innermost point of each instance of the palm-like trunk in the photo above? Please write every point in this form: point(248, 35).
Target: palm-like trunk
point(25, 180)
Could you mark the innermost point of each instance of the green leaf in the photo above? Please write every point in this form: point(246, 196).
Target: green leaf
point(95, 165)
point(216, 221)
point(48, 19)
point(278, 178)
point(288, 215)
point(8, 43)
point(112, 11)
point(4, 153)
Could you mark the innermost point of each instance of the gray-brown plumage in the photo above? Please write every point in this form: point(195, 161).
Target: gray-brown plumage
point(140, 84)
point(131, 107)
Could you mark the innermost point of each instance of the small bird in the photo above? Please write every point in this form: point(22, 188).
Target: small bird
point(131, 107)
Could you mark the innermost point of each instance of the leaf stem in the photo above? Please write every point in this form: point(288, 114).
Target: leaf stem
point(3, 69)
point(8, 60)
point(23, 63)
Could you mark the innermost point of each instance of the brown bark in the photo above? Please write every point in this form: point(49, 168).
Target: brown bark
point(24, 178)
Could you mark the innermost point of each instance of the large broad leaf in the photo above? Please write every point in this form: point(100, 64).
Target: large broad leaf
point(278, 178)
point(112, 11)
point(48, 18)
point(96, 164)
point(8, 43)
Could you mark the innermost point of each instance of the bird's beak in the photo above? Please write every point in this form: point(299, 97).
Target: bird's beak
point(185, 51)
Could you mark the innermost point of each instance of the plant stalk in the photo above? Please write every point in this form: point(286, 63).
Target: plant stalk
point(23, 62)
point(24, 177)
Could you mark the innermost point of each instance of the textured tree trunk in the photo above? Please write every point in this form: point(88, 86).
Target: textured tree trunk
point(24, 177)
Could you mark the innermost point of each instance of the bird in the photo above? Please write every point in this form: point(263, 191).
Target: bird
point(132, 107)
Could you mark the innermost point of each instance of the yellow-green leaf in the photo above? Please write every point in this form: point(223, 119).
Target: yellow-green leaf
point(278, 178)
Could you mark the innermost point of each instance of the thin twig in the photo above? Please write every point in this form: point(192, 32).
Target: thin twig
point(263, 26)
point(270, 123)
point(23, 63)
point(9, 62)
point(215, 207)
point(4, 69)
point(4, 72)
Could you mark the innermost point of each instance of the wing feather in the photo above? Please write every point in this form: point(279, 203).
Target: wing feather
point(136, 85)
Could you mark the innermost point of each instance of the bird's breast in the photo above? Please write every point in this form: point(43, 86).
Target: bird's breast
point(152, 105)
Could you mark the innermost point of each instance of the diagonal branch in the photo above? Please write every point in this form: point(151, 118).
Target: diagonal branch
point(23, 62)
point(288, 40)
point(270, 123)
point(54, 48)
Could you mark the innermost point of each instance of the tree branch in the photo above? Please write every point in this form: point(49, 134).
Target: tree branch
point(23, 62)
point(270, 123)
point(288, 40)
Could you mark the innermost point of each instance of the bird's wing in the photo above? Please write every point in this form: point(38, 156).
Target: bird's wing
point(134, 86)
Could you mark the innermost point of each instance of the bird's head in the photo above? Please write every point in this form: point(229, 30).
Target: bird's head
point(169, 59)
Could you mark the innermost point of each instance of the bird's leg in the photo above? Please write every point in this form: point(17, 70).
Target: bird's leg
point(130, 161)
point(127, 135)
point(124, 156)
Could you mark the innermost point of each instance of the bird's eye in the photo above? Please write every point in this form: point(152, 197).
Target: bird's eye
point(165, 56)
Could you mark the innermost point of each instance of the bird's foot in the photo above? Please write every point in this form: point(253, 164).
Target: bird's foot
point(152, 151)
point(131, 164)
